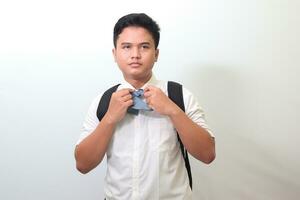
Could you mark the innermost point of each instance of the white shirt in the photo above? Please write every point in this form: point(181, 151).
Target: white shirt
point(144, 161)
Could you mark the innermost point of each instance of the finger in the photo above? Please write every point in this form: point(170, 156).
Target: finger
point(147, 94)
point(146, 89)
point(150, 105)
point(149, 87)
point(147, 101)
point(127, 97)
point(124, 92)
point(129, 103)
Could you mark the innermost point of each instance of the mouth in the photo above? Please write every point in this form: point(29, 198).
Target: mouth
point(135, 64)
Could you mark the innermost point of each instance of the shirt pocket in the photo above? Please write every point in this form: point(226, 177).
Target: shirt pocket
point(163, 134)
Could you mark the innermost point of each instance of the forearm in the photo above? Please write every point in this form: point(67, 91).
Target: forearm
point(196, 139)
point(90, 152)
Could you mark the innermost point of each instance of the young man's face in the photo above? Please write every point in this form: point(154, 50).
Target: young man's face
point(135, 53)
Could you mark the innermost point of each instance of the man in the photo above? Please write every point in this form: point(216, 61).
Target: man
point(143, 155)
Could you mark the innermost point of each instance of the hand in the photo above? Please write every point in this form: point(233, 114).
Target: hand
point(159, 101)
point(119, 103)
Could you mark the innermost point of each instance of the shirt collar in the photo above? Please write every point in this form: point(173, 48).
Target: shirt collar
point(152, 81)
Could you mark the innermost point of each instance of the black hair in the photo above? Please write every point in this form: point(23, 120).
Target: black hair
point(138, 20)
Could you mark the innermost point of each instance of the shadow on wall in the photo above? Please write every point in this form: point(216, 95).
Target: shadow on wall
point(244, 168)
point(216, 88)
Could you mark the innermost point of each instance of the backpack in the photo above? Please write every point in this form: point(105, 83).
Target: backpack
point(174, 93)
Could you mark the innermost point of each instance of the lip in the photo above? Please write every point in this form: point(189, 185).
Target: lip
point(135, 64)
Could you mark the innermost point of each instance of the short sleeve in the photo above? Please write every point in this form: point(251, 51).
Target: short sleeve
point(91, 121)
point(194, 110)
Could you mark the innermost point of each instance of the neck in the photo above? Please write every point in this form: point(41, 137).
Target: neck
point(139, 82)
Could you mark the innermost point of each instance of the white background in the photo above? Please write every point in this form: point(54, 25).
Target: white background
point(239, 57)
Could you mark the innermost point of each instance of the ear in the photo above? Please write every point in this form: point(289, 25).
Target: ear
point(114, 54)
point(156, 54)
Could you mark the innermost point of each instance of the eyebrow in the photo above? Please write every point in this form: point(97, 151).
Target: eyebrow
point(142, 43)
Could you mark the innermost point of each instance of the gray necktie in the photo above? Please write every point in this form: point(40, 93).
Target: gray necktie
point(138, 102)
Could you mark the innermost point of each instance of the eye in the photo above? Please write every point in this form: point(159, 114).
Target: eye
point(126, 46)
point(145, 46)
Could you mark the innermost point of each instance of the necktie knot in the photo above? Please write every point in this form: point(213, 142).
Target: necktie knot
point(139, 102)
point(138, 93)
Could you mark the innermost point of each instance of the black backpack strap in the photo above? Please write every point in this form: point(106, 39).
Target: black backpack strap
point(176, 95)
point(104, 101)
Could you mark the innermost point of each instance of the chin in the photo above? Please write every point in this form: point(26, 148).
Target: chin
point(137, 76)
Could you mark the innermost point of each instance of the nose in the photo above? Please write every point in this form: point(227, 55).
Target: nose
point(135, 53)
